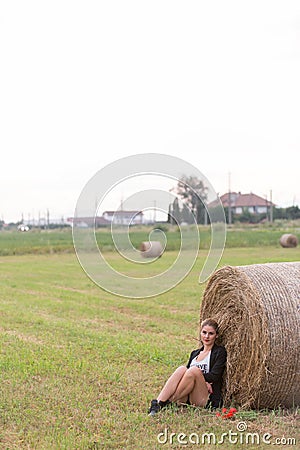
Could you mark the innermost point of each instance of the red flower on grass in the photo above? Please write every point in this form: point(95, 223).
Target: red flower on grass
point(226, 414)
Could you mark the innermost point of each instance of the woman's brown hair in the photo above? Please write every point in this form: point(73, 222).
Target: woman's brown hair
point(211, 323)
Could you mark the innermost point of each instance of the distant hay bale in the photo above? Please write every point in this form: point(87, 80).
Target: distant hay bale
point(151, 249)
point(258, 309)
point(288, 241)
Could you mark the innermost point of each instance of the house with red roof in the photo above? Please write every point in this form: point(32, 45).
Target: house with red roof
point(241, 203)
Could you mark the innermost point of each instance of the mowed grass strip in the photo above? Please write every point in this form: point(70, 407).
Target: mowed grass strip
point(38, 241)
point(79, 366)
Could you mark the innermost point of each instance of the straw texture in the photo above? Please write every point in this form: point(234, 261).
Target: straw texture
point(258, 310)
point(288, 241)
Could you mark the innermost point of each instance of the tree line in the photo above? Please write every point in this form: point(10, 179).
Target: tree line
point(189, 207)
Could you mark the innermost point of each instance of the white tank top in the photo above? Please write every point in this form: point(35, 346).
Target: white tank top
point(203, 364)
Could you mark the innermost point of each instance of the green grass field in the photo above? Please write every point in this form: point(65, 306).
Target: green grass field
point(79, 366)
point(60, 241)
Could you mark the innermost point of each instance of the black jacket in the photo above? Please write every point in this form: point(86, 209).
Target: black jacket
point(216, 368)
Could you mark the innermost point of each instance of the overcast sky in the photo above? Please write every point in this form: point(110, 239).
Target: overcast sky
point(86, 83)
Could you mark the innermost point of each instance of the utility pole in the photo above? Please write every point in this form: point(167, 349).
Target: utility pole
point(271, 207)
point(267, 208)
point(154, 212)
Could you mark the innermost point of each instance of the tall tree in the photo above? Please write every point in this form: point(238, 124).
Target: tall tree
point(186, 214)
point(193, 193)
point(176, 213)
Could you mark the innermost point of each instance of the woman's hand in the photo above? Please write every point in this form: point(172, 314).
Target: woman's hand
point(209, 388)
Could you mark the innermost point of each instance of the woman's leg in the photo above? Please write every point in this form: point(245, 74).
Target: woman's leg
point(193, 386)
point(171, 384)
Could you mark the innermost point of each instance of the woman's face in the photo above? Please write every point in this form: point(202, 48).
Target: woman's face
point(208, 335)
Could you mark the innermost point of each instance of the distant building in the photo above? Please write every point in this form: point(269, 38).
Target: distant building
point(85, 222)
point(240, 203)
point(124, 217)
point(109, 217)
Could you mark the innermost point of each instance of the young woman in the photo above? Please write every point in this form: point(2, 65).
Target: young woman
point(199, 382)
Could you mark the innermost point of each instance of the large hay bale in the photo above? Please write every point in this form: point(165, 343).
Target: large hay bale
point(257, 307)
point(151, 249)
point(288, 241)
